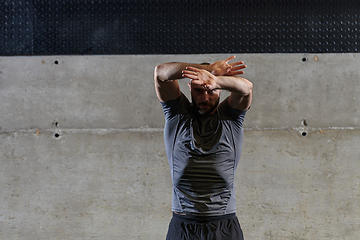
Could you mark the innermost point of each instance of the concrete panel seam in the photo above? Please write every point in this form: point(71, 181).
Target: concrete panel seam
point(87, 130)
point(303, 131)
point(102, 131)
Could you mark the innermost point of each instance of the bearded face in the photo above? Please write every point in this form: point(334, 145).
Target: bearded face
point(205, 101)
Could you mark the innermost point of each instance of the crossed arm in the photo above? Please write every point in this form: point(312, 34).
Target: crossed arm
point(218, 75)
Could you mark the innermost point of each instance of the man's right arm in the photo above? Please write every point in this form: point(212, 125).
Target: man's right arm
point(165, 79)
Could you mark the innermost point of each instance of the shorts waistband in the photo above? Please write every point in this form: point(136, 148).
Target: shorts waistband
point(202, 219)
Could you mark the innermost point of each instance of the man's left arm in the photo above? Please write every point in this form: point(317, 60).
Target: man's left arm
point(241, 89)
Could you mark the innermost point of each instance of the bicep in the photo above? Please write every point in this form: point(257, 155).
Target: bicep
point(240, 102)
point(167, 91)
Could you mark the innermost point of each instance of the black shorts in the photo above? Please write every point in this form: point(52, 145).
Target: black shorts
point(184, 227)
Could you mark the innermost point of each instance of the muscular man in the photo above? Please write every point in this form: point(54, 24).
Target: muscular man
point(203, 141)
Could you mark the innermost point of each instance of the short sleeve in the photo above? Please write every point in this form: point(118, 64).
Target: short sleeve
point(174, 107)
point(235, 115)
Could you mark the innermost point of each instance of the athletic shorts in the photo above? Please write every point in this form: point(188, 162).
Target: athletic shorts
point(185, 227)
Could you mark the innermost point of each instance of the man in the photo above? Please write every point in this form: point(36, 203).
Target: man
point(203, 141)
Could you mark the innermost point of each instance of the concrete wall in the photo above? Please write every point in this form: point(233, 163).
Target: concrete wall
point(82, 153)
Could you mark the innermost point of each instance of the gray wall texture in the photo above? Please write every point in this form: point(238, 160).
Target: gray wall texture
point(82, 153)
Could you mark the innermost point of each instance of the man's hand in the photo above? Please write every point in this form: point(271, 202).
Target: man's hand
point(201, 77)
point(223, 68)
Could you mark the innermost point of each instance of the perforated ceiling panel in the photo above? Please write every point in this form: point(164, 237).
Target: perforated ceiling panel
point(53, 27)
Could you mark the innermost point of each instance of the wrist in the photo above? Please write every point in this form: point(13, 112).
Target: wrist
point(218, 80)
point(207, 67)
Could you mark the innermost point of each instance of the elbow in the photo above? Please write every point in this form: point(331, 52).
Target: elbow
point(157, 72)
point(249, 89)
point(160, 73)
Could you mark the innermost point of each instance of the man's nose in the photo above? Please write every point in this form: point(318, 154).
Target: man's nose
point(205, 96)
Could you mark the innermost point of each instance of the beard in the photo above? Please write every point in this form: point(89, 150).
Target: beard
point(208, 111)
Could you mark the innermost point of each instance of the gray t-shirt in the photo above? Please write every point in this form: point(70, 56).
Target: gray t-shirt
point(203, 153)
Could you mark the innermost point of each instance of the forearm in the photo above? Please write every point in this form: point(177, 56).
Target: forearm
point(234, 84)
point(241, 91)
point(172, 71)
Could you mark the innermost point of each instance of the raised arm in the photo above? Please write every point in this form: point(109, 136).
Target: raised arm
point(165, 79)
point(240, 88)
point(166, 75)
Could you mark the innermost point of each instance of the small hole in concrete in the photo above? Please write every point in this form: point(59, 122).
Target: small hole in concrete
point(305, 122)
point(304, 59)
point(56, 62)
point(57, 135)
point(304, 134)
point(56, 124)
